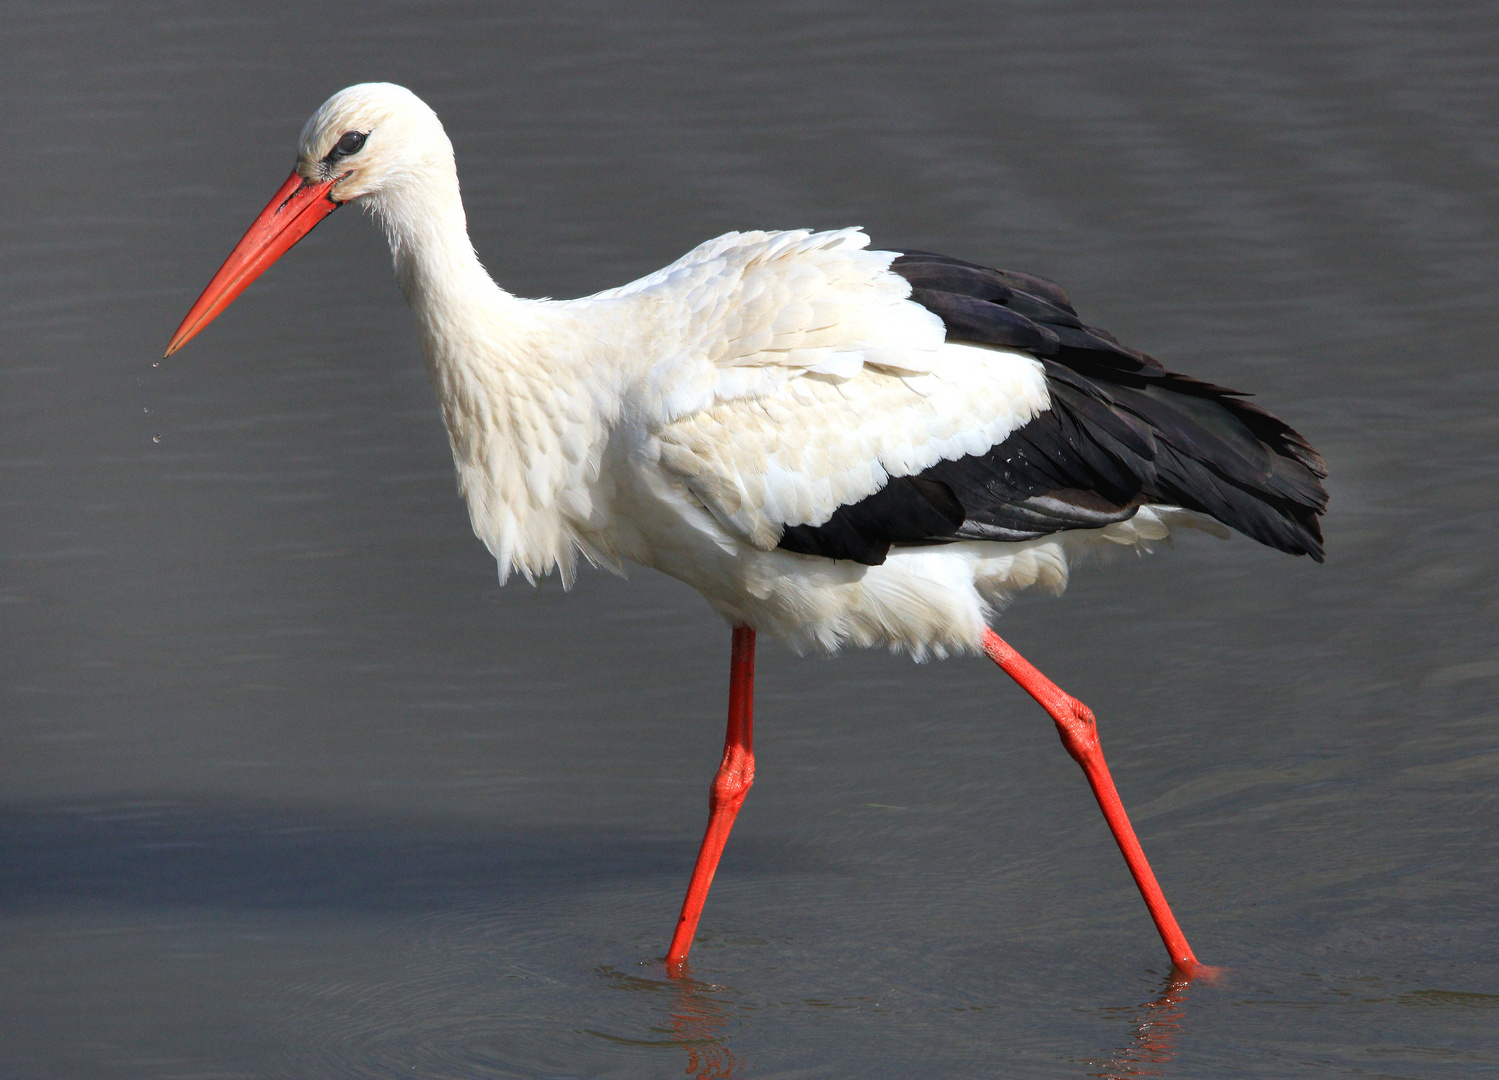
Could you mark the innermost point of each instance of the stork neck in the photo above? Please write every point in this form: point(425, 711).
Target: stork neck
point(435, 263)
point(526, 420)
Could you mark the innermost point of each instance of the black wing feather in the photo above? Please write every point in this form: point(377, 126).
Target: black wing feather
point(907, 510)
point(1121, 431)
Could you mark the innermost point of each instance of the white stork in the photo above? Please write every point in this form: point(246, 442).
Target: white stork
point(835, 445)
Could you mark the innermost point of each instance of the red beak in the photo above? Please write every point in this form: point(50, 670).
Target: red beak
point(289, 216)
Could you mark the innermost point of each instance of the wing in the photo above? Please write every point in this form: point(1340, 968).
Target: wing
point(836, 401)
point(798, 379)
point(1119, 431)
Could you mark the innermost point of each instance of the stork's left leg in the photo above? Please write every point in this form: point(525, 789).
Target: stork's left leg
point(1079, 732)
point(735, 775)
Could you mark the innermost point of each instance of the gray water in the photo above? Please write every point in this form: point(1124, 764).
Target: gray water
point(290, 787)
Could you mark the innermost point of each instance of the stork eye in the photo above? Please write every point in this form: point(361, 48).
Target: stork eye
point(351, 143)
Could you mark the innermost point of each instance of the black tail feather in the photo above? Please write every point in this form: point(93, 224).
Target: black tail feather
point(1209, 450)
point(1121, 431)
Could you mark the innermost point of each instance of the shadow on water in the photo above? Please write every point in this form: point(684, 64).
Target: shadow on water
point(201, 854)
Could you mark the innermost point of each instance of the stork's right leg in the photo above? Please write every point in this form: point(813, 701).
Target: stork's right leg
point(1079, 732)
point(735, 775)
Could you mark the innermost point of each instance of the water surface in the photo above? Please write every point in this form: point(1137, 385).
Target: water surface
point(289, 786)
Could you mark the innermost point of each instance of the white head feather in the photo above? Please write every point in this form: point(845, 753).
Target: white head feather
point(404, 142)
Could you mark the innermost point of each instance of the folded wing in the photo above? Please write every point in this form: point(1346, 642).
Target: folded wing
point(837, 401)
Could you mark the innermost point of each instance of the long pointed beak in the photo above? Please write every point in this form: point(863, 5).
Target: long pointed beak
point(289, 216)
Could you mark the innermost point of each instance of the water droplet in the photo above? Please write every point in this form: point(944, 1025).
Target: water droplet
point(156, 438)
point(156, 363)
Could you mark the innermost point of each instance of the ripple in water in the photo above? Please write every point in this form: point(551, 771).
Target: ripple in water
point(463, 999)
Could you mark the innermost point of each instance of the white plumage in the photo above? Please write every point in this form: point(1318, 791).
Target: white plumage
point(834, 445)
point(681, 421)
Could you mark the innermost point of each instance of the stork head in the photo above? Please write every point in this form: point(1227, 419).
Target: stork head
point(369, 142)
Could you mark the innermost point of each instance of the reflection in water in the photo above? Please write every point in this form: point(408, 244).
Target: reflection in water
point(697, 1021)
point(698, 1018)
point(1158, 1024)
point(701, 1020)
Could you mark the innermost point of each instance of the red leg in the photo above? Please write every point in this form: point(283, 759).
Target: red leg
point(1079, 732)
point(735, 775)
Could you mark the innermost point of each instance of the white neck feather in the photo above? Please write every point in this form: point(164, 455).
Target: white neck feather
point(526, 409)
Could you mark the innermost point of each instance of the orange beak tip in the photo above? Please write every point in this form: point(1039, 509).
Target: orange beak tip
point(290, 215)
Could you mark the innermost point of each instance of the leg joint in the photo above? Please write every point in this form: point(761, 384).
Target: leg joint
point(1077, 727)
point(735, 777)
